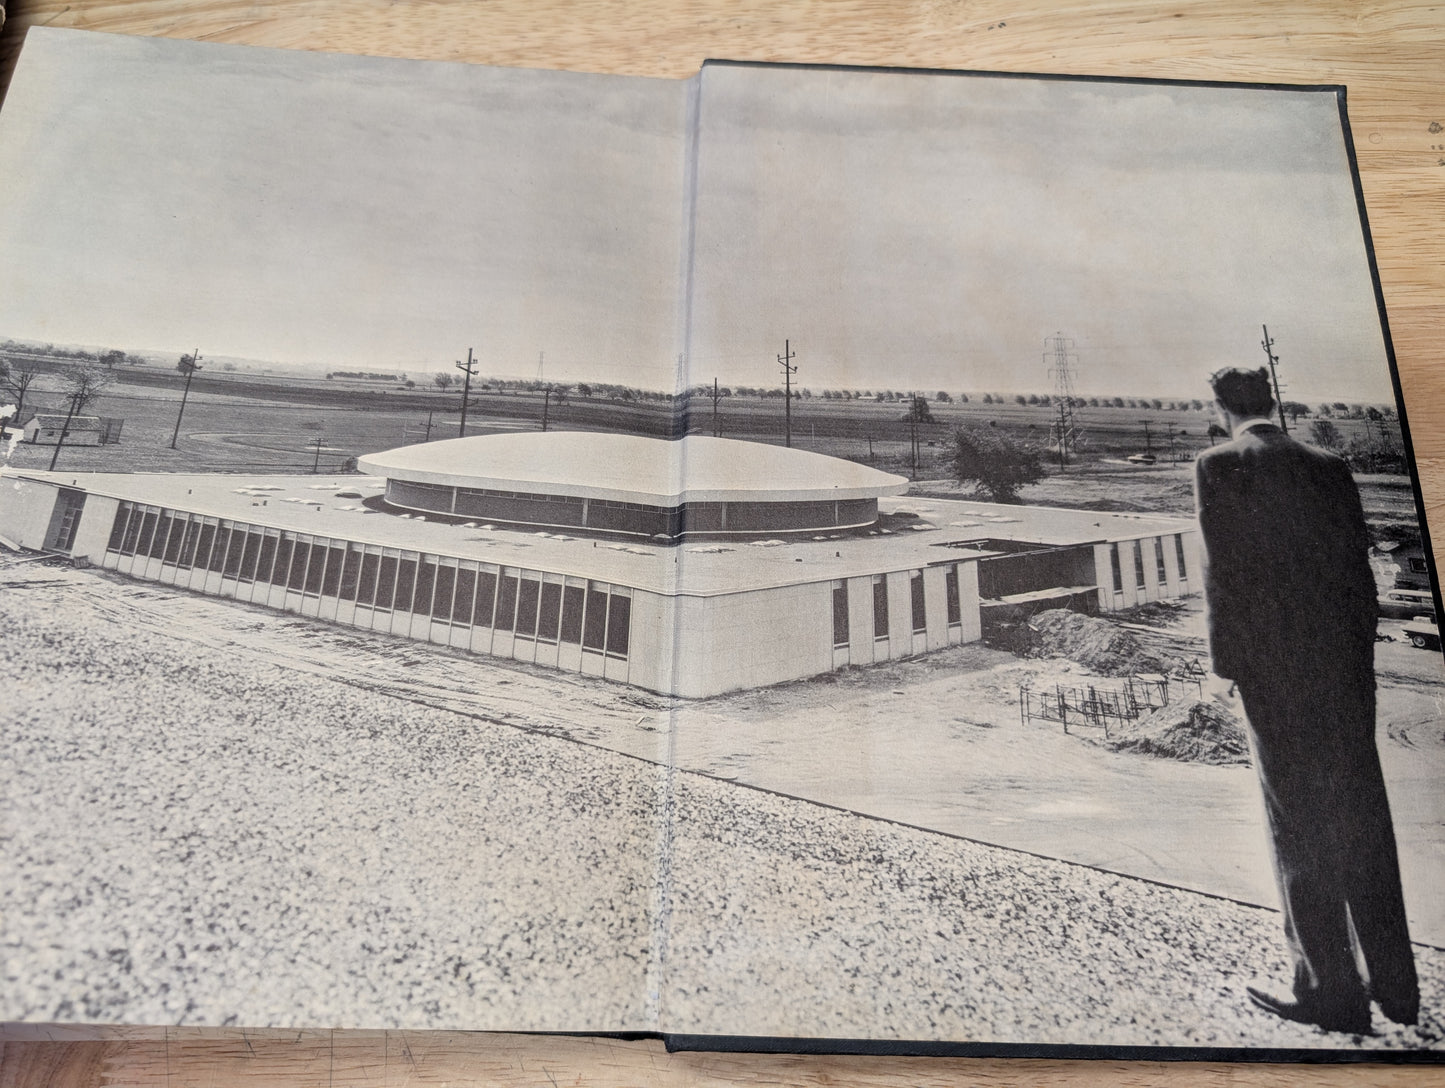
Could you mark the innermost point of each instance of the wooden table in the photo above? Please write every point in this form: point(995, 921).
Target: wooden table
point(1390, 55)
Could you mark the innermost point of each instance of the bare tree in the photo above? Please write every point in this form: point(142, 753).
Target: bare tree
point(443, 380)
point(81, 385)
point(15, 381)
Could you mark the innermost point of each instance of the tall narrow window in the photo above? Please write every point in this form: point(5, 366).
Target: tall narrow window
point(234, 550)
point(366, 580)
point(464, 595)
point(281, 569)
point(188, 545)
point(331, 580)
point(350, 573)
point(619, 624)
point(1139, 564)
point(527, 607)
point(177, 537)
point(572, 597)
point(1179, 555)
point(117, 527)
point(880, 606)
point(1115, 568)
point(920, 609)
point(549, 609)
point(132, 531)
point(250, 552)
point(300, 556)
point(147, 532)
point(486, 598)
point(156, 523)
point(426, 577)
point(405, 583)
point(950, 593)
point(204, 543)
point(442, 594)
point(1159, 561)
point(506, 601)
point(385, 582)
point(594, 623)
point(840, 615)
point(266, 561)
point(163, 530)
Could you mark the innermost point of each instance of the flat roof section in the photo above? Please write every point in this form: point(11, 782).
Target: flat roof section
point(630, 468)
point(333, 506)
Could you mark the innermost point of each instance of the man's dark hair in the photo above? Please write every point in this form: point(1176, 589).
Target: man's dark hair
point(1243, 392)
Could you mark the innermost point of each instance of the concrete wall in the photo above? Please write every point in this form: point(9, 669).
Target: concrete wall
point(651, 660)
point(94, 528)
point(747, 640)
point(1176, 582)
point(25, 510)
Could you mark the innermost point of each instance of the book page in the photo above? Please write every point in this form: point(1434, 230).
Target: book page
point(1001, 799)
point(298, 742)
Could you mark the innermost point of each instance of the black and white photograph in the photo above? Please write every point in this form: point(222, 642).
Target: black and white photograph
point(799, 553)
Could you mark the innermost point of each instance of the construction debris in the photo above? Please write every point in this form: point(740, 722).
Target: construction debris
point(1190, 730)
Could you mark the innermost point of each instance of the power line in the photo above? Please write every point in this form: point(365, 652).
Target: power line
point(468, 369)
point(785, 360)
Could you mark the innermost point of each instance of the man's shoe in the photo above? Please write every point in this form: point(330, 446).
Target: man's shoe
point(1355, 1021)
point(1407, 1014)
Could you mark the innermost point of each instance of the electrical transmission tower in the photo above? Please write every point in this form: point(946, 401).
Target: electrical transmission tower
point(1063, 363)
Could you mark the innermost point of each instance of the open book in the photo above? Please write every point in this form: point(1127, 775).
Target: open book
point(522, 550)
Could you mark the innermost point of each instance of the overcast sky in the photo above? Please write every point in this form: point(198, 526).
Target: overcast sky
point(930, 231)
point(358, 212)
point(901, 230)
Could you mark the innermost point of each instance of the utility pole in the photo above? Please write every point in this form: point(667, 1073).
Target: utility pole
point(1148, 445)
point(467, 370)
point(65, 430)
point(316, 461)
point(1268, 346)
point(546, 400)
point(913, 413)
point(785, 360)
point(190, 368)
point(428, 426)
point(716, 422)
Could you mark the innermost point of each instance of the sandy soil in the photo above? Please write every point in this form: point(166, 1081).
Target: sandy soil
point(232, 815)
point(935, 742)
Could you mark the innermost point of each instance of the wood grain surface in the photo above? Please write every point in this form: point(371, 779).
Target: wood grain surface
point(1391, 55)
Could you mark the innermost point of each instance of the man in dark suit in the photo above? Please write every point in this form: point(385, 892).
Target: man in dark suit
point(1292, 618)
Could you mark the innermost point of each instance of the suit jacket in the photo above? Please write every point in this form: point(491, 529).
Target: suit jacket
point(1287, 577)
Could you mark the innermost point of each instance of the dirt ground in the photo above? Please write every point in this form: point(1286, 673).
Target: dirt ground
point(935, 742)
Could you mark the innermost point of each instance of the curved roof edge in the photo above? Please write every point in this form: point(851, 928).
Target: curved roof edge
point(630, 468)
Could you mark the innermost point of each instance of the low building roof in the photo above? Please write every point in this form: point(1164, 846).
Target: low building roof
point(945, 530)
point(77, 423)
point(630, 468)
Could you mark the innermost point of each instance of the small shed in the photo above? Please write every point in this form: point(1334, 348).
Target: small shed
point(44, 430)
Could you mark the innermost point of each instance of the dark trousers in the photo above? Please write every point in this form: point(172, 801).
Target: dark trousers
point(1333, 840)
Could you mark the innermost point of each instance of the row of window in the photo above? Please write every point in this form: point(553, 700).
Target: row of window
point(917, 603)
point(1116, 565)
point(455, 591)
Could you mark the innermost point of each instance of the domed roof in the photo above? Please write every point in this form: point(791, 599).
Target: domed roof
point(628, 468)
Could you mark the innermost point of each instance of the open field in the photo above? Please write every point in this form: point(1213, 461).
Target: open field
point(246, 421)
point(238, 816)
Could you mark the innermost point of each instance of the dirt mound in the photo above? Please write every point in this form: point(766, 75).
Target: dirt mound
point(1191, 731)
point(1094, 643)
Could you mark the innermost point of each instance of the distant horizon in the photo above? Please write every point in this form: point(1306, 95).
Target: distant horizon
point(423, 377)
point(329, 212)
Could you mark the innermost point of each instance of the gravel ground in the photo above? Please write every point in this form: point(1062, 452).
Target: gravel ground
point(195, 833)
